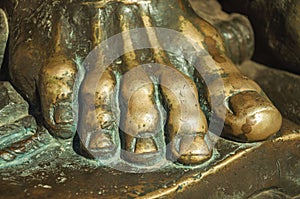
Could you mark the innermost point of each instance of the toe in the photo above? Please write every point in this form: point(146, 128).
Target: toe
point(187, 124)
point(139, 118)
point(98, 130)
point(56, 85)
point(249, 122)
point(253, 117)
point(138, 102)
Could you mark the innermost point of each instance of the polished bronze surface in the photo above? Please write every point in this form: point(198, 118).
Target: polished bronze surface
point(149, 110)
point(235, 29)
point(46, 50)
point(269, 168)
point(284, 95)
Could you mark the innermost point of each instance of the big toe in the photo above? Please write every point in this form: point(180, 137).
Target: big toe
point(253, 117)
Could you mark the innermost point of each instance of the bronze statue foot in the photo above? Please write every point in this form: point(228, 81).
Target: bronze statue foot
point(49, 45)
point(249, 110)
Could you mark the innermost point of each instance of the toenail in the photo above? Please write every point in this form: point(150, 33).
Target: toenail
point(145, 145)
point(63, 114)
point(146, 134)
point(254, 117)
point(185, 144)
point(100, 141)
point(193, 149)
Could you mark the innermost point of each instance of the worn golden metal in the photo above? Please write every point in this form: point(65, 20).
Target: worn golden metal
point(48, 44)
point(239, 171)
point(235, 29)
